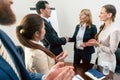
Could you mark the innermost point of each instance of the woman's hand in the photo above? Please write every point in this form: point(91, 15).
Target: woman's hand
point(83, 44)
point(92, 42)
point(62, 56)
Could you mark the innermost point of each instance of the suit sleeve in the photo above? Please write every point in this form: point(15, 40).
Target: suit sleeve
point(94, 31)
point(53, 38)
point(73, 38)
point(36, 76)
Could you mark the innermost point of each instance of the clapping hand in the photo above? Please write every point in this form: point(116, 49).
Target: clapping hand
point(62, 56)
point(60, 72)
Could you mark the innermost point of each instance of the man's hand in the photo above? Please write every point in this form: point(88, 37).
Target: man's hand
point(67, 39)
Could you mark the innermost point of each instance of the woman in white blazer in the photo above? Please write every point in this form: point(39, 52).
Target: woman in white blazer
point(107, 38)
point(30, 33)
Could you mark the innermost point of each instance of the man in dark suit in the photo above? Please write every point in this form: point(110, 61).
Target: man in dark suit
point(11, 64)
point(51, 37)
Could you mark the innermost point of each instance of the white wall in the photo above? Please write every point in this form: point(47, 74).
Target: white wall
point(67, 15)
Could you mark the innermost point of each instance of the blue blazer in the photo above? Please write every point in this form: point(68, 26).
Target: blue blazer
point(6, 71)
point(89, 34)
point(51, 38)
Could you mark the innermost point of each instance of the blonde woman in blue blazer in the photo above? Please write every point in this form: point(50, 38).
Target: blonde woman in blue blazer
point(84, 31)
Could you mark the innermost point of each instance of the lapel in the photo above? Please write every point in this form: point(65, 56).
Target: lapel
point(12, 50)
point(9, 45)
point(49, 26)
point(6, 68)
point(47, 23)
point(85, 34)
point(77, 29)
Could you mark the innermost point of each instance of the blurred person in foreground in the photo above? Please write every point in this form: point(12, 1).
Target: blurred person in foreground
point(11, 64)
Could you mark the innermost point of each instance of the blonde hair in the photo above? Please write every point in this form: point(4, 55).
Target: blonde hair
point(88, 14)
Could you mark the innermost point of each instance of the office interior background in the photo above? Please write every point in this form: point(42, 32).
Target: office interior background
point(64, 17)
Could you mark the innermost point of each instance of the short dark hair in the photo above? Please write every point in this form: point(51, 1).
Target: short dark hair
point(40, 5)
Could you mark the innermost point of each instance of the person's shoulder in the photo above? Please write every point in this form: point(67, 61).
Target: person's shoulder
point(32, 51)
point(77, 26)
point(115, 26)
point(93, 25)
point(38, 52)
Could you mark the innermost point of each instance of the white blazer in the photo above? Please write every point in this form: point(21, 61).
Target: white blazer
point(109, 39)
point(37, 61)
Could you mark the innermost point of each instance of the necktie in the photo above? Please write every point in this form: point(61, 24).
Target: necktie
point(50, 23)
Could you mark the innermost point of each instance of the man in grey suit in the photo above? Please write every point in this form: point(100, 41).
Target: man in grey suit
point(51, 37)
point(14, 68)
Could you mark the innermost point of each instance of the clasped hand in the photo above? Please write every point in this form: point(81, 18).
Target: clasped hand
point(91, 42)
point(62, 56)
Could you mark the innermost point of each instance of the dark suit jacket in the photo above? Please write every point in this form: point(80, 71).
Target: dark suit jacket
point(6, 72)
point(89, 34)
point(52, 39)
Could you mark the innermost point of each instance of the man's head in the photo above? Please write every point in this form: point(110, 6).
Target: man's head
point(43, 8)
point(7, 16)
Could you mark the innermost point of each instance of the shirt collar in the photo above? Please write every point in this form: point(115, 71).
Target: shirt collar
point(83, 25)
point(47, 19)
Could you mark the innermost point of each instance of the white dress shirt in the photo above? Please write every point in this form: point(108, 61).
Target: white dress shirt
point(80, 35)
